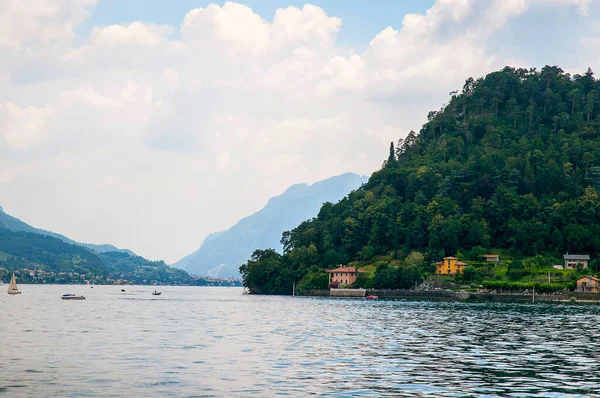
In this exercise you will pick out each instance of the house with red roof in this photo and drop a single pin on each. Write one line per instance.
(343, 275)
(588, 284)
(449, 266)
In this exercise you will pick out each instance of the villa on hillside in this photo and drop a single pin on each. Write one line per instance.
(571, 260)
(449, 266)
(493, 258)
(343, 275)
(588, 284)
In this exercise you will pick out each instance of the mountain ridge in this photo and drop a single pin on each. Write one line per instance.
(16, 225)
(222, 252)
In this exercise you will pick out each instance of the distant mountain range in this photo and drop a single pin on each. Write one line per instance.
(222, 253)
(15, 225)
(39, 256)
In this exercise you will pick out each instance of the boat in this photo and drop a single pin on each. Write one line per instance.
(71, 296)
(122, 290)
(155, 293)
(12, 288)
(372, 297)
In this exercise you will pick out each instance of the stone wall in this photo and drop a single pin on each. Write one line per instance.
(313, 292)
(451, 295)
(419, 294)
(347, 292)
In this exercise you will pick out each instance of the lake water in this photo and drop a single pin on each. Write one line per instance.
(194, 341)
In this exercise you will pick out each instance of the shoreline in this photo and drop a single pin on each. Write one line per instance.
(460, 295)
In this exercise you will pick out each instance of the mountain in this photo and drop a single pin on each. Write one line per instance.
(511, 163)
(16, 225)
(222, 253)
(40, 258)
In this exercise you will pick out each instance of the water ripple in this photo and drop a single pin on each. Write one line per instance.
(205, 342)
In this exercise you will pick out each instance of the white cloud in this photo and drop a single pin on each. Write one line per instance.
(134, 34)
(40, 21)
(6, 177)
(21, 127)
(140, 131)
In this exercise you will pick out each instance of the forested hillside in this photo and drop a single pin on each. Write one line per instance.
(45, 259)
(511, 162)
(16, 225)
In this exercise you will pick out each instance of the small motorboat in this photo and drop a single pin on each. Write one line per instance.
(372, 297)
(155, 293)
(71, 296)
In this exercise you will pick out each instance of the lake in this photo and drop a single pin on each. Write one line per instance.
(198, 341)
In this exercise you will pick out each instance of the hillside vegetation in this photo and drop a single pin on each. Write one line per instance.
(40, 258)
(512, 163)
(16, 225)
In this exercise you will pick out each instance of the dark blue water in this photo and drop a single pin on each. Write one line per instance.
(217, 342)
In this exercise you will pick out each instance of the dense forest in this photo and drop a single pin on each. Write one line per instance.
(40, 258)
(511, 162)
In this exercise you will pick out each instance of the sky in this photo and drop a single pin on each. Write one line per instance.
(149, 124)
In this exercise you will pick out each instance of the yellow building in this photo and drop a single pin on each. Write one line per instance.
(450, 266)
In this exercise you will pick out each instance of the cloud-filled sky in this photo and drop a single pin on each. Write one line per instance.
(148, 124)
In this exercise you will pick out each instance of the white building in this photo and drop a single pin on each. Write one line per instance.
(571, 260)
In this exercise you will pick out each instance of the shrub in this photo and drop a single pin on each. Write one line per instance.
(361, 281)
(469, 273)
(477, 252)
(315, 280)
(415, 259)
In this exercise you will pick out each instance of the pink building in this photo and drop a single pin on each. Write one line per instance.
(343, 275)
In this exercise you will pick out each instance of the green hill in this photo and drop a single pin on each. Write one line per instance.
(16, 225)
(38, 258)
(512, 162)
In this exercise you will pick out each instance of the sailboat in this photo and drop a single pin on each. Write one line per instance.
(12, 288)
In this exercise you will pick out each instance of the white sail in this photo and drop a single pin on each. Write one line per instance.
(12, 287)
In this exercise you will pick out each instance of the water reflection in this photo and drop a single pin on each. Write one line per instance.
(218, 342)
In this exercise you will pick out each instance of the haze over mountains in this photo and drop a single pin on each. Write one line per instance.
(221, 253)
(16, 225)
(39, 256)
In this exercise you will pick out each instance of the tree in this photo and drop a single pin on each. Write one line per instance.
(587, 158)
(385, 277)
(515, 270)
(573, 94)
(408, 276)
(591, 98)
(361, 281)
(415, 259)
(469, 273)
(513, 107)
(530, 113)
(265, 273)
(477, 253)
